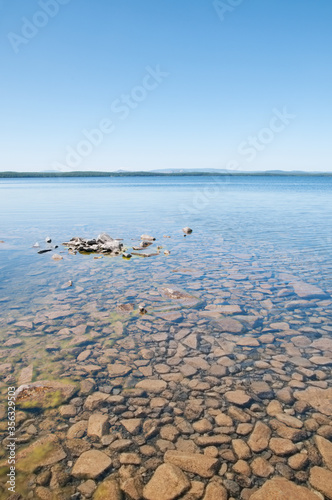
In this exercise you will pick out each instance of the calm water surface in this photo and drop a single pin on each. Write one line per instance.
(232, 305)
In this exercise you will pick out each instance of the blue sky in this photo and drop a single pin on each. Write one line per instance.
(122, 84)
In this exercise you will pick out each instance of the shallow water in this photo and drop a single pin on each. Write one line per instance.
(257, 243)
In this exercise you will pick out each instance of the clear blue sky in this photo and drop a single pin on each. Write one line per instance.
(214, 102)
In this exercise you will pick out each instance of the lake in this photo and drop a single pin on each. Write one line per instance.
(238, 313)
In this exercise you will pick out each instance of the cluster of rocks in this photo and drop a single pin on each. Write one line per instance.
(102, 244)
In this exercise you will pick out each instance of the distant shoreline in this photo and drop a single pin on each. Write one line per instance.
(14, 175)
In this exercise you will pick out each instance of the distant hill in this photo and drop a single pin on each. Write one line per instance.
(159, 173)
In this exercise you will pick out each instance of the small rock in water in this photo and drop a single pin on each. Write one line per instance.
(126, 255)
(147, 237)
(57, 257)
(141, 308)
(36, 245)
(45, 250)
(187, 230)
(145, 244)
(48, 239)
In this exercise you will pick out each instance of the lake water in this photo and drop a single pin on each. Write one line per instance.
(255, 277)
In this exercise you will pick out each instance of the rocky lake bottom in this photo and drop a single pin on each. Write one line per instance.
(202, 373)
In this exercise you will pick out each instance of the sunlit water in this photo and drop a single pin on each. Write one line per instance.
(257, 243)
(252, 237)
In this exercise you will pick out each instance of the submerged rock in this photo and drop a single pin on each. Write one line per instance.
(44, 394)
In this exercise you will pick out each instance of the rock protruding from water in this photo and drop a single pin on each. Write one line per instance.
(102, 244)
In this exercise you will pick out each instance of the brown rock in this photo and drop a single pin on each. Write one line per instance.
(215, 491)
(167, 483)
(42, 453)
(196, 491)
(98, 425)
(133, 487)
(132, 425)
(238, 397)
(298, 461)
(282, 447)
(262, 389)
(325, 449)
(321, 480)
(152, 386)
(230, 325)
(320, 399)
(118, 370)
(242, 467)
(259, 438)
(108, 490)
(280, 488)
(241, 449)
(91, 464)
(261, 467)
(196, 463)
(288, 420)
(273, 408)
(202, 426)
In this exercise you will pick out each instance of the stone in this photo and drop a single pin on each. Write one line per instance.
(298, 461)
(25, 375)
(320, 399)
(95, 400)
(241, 449)
(308, 291)
(273, 408)
(242, 467)
(321, 480)
(56, 256)
(325, 449)
(133, 488)
(202, 426)
(91, 464)
(259, 438)
(77, 430)
(196, 463)
(238, 397)
(68, 411)
(282, 447)
(196, 491)
(289, 420)
(167, 483)
(262, 389)
(169, 432)
(261, 467)
(132, 425)
(223, 420)
(87, 488)
(147, 237)
(44, 394)
(108, 490)
(230, 325)
(152, 386)
(215, 491)
(280, 488)
(130, 459)
(98, 425)
(44, 452)
(118, 370)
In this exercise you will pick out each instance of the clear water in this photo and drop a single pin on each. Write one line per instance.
(253, 238)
